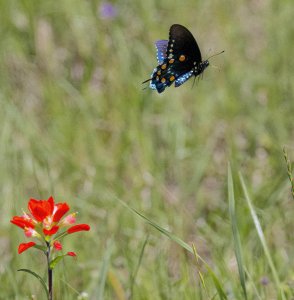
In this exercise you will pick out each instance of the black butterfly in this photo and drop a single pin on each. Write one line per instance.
(179, 58)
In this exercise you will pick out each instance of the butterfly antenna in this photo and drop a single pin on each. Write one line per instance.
(215, 54)
(147, 80)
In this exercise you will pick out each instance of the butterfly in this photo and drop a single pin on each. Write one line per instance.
(179, 59)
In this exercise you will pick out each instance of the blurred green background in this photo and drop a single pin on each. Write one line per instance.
(76, 124)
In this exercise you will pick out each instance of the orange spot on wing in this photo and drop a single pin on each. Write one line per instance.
(163, 80)
(163, 67)
(171, 61)
(182, 58)
(172, 78)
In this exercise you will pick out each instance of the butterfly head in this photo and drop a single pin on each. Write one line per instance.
(199, 68)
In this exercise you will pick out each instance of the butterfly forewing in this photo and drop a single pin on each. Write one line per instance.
(182, 44)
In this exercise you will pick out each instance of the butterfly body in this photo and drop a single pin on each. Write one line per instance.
(179, 59)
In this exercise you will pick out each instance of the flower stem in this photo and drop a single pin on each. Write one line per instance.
(50, 273)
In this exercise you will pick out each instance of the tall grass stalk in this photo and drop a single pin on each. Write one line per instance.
(262, 239)
(236, 235)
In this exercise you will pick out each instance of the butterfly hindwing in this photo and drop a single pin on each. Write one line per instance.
(161, 47)
(162, 77)
(183, 78)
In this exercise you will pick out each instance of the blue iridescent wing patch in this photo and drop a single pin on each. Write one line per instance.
(183, 78)
(161, 47)
(152, 85)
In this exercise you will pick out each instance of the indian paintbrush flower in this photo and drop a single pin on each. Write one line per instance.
(46, 221)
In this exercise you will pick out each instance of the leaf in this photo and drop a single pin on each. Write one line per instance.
(39, 278)
(39, 247)
(55, 261)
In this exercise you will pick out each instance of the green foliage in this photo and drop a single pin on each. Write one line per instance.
(76, 124)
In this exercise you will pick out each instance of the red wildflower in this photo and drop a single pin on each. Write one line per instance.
(78, 227)
(22, 222)
(46, 215)
(24, 246)
(51, 231)
(68, 220)
(44, 221)
(57, 245)
(41, 209)
(30, 232)
(60, 209)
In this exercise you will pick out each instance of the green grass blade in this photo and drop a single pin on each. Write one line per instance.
(236, 236)
(220, 291)
(262, 238)
(159, 228)
(134, 276)
(202, 281)
(289, 170)
(253, 284)
(217, 284)
(99, 292)
(184, 245)
(39, 278)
